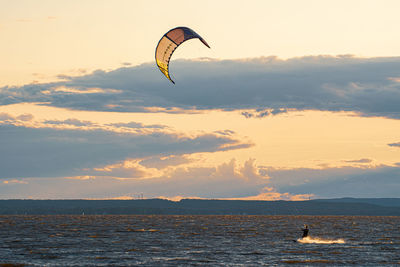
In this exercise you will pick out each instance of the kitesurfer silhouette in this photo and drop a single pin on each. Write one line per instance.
(305, 231)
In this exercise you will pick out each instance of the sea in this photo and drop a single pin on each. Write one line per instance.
(199, 240)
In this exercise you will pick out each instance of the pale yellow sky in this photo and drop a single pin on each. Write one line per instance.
(42, 39)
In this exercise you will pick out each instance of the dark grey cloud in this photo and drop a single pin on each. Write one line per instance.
(395, 144)
(49, 152)
(382, 181)
(369, 86)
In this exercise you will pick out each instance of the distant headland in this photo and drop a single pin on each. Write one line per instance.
(340, 206)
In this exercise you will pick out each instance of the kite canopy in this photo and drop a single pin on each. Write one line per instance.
(169, 42)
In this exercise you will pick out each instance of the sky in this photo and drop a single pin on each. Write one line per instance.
(295, 100)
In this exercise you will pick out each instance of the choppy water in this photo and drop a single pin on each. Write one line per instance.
(197, 240)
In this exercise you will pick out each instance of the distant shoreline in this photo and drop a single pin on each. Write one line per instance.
(342, 206)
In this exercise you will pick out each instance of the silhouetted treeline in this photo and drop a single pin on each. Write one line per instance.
(344, 206)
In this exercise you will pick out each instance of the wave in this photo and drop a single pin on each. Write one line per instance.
(316, 240)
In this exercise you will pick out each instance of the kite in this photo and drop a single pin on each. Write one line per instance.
(169, 42)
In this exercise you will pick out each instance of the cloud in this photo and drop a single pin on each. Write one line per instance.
(228, 180)
(270, 194)
(359, 161)
(127, 169)
(381, 181)
(263, 113)
(73, 122)
(14, 181)
(225, 132)
(394, 144)
(163, 162)
(220, 181)
(267, 194)
(78, 90)
(8, 118)
(137, 125)
(25, 117)
(368, 86)
(54, 152)
(127, 127)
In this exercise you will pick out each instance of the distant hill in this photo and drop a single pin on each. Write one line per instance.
(386, 202)
(342, 206)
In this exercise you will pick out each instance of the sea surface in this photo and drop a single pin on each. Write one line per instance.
(132, 240)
